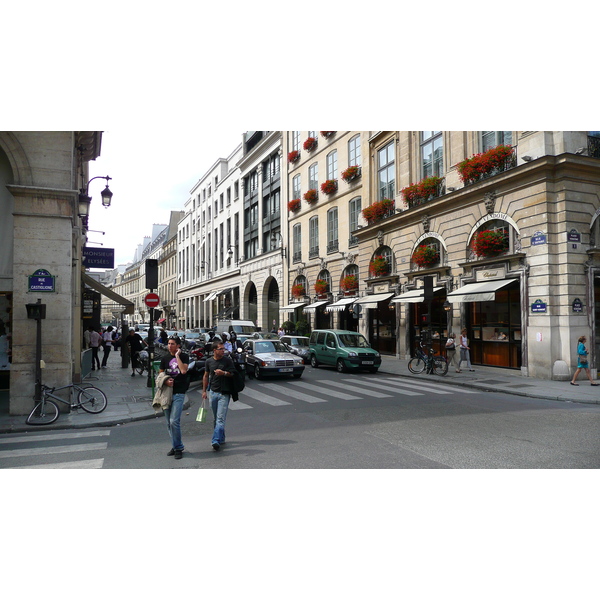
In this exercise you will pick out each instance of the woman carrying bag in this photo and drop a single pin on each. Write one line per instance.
(464, 350)
(582, 361)
(451, 351)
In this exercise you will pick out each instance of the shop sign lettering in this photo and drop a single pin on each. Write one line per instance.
(539, 307)
(41, 281)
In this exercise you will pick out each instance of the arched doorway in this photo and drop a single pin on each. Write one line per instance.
(273, 305)
(252, 304)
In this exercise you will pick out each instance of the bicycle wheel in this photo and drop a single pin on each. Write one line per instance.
(92, 400)
(440, 365)
(416, 365)
(139, 365)
(43, 413)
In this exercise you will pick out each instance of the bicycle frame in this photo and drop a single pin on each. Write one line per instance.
(48, 391)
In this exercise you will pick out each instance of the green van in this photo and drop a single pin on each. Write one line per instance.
(346, 350)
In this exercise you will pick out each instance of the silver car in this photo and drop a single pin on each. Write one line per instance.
(297, 344)
(270, 358)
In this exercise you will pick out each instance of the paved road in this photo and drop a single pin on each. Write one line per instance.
(330, 420)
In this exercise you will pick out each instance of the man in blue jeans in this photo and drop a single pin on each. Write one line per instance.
(175, 364)
(219, 370)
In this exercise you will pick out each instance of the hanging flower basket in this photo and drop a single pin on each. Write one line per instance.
(298, 290)
(311, 196)
(327, 134)
(419, 193)
(489, 243)
(485, 164)
(352, 172)
(379, 266)
(293, 156)
(349, 283)
(294, 205)
(321, 287)
(426, 256)
(378, 211)
(329, 187)
(310, 144)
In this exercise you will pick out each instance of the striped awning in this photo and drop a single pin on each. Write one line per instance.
(340, 305)
(414, 295)
(485, 291)
(373, 300)
(311, 308)
(293, 306)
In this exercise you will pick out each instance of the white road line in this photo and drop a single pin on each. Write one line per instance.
(380, 386)
(426, 386)
(53, 436)
(239, 405)
(316, 388)
(263, 397)
(53, 450)
(294, 393)
(350, 388)
(80, 464)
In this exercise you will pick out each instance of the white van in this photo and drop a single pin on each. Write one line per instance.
(240, 327)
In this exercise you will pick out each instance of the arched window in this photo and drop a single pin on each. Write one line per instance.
(325, 276)
(427, 254)
(381, 263)
(494, 238)
(299, 288)
(349, 281)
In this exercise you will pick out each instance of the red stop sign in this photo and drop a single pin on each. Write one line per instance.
(152, 300)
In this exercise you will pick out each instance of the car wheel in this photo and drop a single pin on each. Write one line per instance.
(314, 363)
(340, 366)
(257, 371)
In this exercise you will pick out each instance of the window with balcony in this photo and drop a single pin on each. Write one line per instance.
(432, 154)
(313, 237)
(332, 230)
(491, 139)
(386, 172)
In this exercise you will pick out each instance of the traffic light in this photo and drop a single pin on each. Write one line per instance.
(427, 288)
(151, 274)
(425, 319)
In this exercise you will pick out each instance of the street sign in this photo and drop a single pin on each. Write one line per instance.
(41, 281)
(98, 258)
(152, 300)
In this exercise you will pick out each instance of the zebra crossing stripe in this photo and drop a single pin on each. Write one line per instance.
(239, 405)
(53, 436)
(429, 387)
(317, 388)
(95, 463)
(52, 450)
(294, 393)
(263, 397)
(380, 386)
(351, 388)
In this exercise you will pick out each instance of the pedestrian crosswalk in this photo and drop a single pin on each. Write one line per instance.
(37, 451)
(283, 392)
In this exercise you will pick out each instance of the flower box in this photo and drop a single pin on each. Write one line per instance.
(321, 287)
(379, 266)
(425, 256)
(378, 211)
(293, 156)
(419, 193)
(486, 164)
(327, 134)
(310, 144)
(489, 243)
(349, 283)
(311, 196)
(329, 187)
(298, 290)
(294, 205)
(352, 172)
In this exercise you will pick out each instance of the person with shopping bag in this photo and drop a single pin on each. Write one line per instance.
(582, 361)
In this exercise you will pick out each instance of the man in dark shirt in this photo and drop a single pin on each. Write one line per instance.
(219, 372)
(136, 345)
(175, 364)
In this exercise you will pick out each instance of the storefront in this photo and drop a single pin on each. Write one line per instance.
(345, 318)
(322, 319)
(381, 322)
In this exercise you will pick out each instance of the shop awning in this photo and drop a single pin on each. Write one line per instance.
(293, 306)
(373, 300)
(211, 296)
(129, 307)
(223, 292)
(484, 291)
(311, 308)
(340, 305)
(414, 295)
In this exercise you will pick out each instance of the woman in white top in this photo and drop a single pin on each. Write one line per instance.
(464, 350)
(451, 352)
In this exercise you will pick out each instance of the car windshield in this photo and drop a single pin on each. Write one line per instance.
(299, 342)
(353, 340)
(269, 346)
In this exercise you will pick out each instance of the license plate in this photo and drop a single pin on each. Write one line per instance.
(367, 362)
(290, 370)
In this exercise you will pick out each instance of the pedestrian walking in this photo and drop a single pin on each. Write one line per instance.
(107, 336)
(95, 342)
(451, 352)
(136, 344)
(465, 355)
(216, 386)
(582, 361)
(175, 365)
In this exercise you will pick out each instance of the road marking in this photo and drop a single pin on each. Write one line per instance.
(96, 463)
(379, 386)
(263, 397)
(294, 393)
(53, 450)
(344, 386)
(238, 405)
(316, 388)
(54, 436)
(428, 387)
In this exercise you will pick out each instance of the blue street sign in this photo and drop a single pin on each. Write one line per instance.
(99, 258)
(41, 281)
(539, 307)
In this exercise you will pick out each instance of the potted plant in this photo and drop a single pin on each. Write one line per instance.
(311, 196)
(352, 172)
(485, 164)
(378, 210)
(288, 326)
(349, 283)
(489, 242)
(327, 134)
(379, 266)
(321, 287)
(329, 187)
(298, 290)
(418, 193)
(310, 143)
(302, 327)
(294, 204)
(425, 256)
(293, 156)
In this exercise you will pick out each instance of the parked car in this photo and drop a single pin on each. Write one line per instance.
(297, 344)
(270, 357)
(346, 350)
(264, 335)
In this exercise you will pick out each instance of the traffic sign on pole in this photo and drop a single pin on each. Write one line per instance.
(152, 300)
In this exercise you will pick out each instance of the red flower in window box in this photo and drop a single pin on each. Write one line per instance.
(378, 210)
(329, 187)
(379, 266)
(418, 193)
(425, 256)
(293, 156)
(321, 286)
(294, 205)
(349, 283)
(310, 144)
(311, 196)
(298, 290)
(489, 243)
(352, 172)
(474, 168)
(327, 134)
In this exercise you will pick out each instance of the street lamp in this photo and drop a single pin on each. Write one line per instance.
(274, 241)
(230, 252)
(84, 197)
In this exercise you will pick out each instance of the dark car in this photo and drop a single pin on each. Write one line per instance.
(297, 344)
(269, 358)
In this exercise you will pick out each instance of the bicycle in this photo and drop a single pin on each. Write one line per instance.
(142, 362)
(46, 411)
(434, 363)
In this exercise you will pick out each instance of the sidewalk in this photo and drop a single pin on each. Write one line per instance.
(129, 398)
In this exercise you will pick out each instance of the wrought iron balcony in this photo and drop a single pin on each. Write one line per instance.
(297, 257)
(313, 252)
(332, 246)
(594, 146)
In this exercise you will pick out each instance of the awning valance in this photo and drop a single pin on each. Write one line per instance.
(414, 295)
(340, 305)
(129, 307)
(293, 306)
(311, 308)
(483, 291)
(374, 299)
